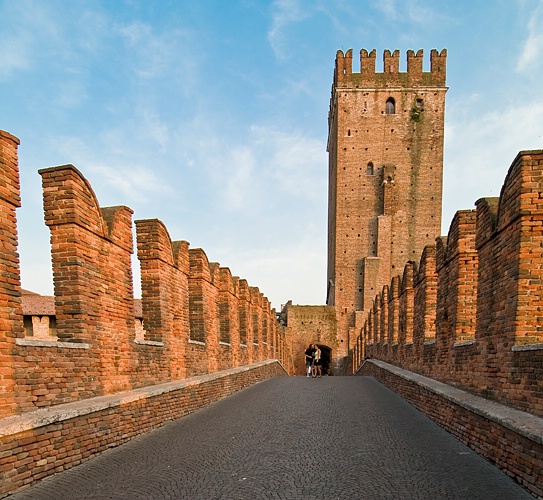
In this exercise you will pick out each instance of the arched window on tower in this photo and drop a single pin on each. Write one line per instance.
(369, 169)
(390, 107)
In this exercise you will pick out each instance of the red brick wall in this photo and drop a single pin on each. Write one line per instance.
(519, 454)
(425, 283)
(256, 322)
(246, 352)
(11, 315)
(165, 299)
(31, 448)
(310, 325)
(96, 351)
(229, 319)
(488, 299)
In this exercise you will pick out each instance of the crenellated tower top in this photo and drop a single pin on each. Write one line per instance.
(391, 75)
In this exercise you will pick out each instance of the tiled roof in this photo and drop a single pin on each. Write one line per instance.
(138, 308)
(37, 305)
(34, 304)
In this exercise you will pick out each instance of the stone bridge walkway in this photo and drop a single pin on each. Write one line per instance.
(290, 438)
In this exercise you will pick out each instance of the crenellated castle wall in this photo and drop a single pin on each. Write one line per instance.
(474, 301)
(391, 75)
(191, 307)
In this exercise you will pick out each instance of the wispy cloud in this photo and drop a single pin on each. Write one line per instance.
(479, 151)
(121, 173)
(156, 54)
(20, 34)
(532, 50)
(420, 12)
(284, 13)
(387, 7)
(295, 161)
(246, 168)
(296, 270)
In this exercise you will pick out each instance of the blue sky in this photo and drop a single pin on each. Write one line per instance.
(211, 115)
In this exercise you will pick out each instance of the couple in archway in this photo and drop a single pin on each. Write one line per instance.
(313, 361)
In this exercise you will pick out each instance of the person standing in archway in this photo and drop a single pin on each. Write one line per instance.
(309, 353)
(317, 370)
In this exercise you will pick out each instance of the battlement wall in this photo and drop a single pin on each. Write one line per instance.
(469, 314)
(96, 351)
(391, 76)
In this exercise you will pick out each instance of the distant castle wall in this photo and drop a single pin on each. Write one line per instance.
(469, 313)
(306, 325)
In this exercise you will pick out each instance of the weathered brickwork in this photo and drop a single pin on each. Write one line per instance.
(306, 325)
(11, 324)
(486, 302)
(511, 440)
(38, 444)
(95, 349)
(385, 149)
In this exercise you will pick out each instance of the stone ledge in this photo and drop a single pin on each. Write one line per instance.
(523, 423)
(527, 347)
(51, 343)
(149, 342)
(59, 413)
(464, 343)
(197, 342)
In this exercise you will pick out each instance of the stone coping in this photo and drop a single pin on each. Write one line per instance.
(521, 422)
(38, 418)
(51, 343)
(527, 347)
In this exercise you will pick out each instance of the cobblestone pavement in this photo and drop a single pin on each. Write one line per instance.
(290, 438)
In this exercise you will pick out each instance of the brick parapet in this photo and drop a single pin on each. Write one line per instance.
(164, 266)
(510, 438)
(47, 441)
(94, 349)
(425, 300)
(256, 317)
(489, 291)
(91, 258)
(406, 303)
(383, 321)
(391, 75)
(11, 315)
(229, 318)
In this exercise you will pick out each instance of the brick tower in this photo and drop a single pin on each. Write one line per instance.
(385, 146)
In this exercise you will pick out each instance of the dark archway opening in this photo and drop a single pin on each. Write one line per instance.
(326, 358)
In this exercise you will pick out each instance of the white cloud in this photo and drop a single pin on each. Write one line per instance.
(121, 174)
(71, 94)
(387, 7)
(294, 272)
(156, 54)
(285, 12)
(297, 162)
(532, 51)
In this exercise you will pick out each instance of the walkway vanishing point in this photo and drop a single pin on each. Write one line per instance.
(290, 438)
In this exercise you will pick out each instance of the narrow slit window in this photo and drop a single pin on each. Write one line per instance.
(369, 169)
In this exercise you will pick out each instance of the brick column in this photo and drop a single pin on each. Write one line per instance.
(11, 318)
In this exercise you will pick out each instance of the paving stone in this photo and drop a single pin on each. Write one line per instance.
(290, 438)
